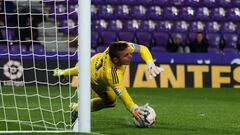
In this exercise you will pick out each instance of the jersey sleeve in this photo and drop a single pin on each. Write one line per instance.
(142, 50)
(115, 81)
(71, 71)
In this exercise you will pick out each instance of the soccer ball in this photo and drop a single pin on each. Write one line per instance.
(148, 119)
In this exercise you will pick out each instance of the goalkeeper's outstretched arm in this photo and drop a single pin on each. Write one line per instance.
(71, 71)
(153, 70)
(136, 111)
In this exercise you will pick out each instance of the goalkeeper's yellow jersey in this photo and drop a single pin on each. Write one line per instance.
(104, 73)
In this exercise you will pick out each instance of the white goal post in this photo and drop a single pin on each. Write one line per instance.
(84, 49)
(36, 37)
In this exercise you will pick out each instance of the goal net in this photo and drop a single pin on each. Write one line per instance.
(37, 37)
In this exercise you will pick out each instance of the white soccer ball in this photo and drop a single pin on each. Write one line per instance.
(148, 118)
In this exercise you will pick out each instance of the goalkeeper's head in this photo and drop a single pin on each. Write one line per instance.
(119, 53)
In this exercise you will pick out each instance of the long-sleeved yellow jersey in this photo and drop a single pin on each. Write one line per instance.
(104, 73)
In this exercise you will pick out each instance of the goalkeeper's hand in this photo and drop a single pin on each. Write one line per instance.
(153, 70)
(58, 72)
(138, 112)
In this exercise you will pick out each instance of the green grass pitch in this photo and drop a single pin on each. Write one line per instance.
(179, 112)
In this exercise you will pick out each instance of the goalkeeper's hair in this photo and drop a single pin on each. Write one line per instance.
(116, 47)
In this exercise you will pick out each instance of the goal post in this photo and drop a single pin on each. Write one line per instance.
(31, 98)
(84, 49)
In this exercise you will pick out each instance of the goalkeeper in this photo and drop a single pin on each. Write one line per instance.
(107, 70)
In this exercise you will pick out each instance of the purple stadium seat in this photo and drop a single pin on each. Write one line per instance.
(213, 39)
(122, 12)
(126, 36)
(196, 26)
(58, 10)
(72, 2)
(131, 2)
(68, 26)
(72, 8)
(101, 48)
(18, 48)
(187, 13)
(164, 26)
(3, 48)
(37, 49)
(94, 39)
(146, 2)
(108, 37)
(161, 2)
(177, 2)
(228, 27)
(238, 28)
(106, 12)
(157, 49)
(99, 25)
(161, 38)
(138, 12)
(96, 2)
(72, 11)
(202, 13)
(218, 14)
(233, 14)
(180, 26)
(147, 25)
(144, 38)
(225, 3)
(171, 13)
(94, 12)
(114, 2)
(193, 3)
(210, 3)
(155, 12)
(213, 50)
(230, 50)
(212, 27)
(131, 25)
(115, 25)
(236, 3)
(8, 34)
(231, 40)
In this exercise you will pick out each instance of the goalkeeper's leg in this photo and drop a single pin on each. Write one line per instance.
(99, 101)
(74, 107)
(105, 99)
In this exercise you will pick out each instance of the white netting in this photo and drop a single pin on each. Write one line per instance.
(35, 38)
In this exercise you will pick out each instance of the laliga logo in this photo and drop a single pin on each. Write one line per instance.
(13, 69)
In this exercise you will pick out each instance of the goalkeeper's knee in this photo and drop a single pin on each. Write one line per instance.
(111, 103)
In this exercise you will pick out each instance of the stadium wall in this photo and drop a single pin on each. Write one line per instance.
(176, 75)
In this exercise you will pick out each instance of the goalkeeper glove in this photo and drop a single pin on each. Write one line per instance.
(138, 112)
(58, 72)
(153, 70)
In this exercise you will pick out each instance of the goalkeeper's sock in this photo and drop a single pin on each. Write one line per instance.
(74, 111)
(74, 116)
(74, 107)
(96, 104)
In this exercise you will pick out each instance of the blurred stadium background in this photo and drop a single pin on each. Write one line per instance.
(30, 50)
